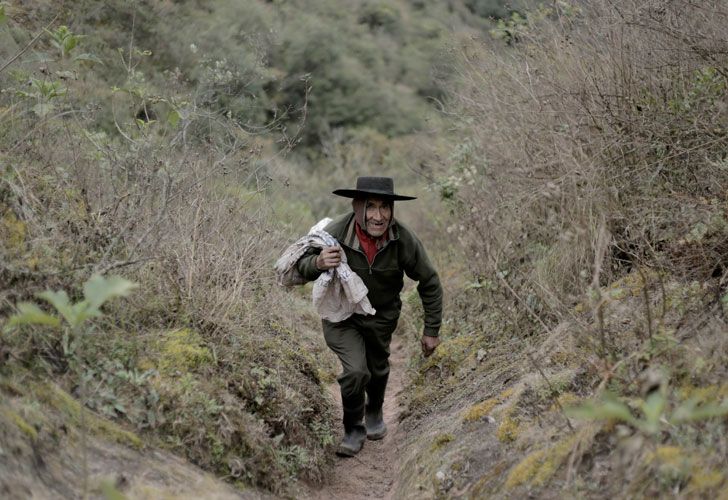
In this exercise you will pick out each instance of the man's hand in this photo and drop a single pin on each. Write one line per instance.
(329, 258)
(429, 344)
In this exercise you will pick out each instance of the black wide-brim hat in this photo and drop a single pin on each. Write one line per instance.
(382, 187)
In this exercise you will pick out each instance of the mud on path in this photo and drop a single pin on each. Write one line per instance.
(372, 473)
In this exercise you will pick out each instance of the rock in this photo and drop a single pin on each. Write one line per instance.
(480, 355)
(444, 480)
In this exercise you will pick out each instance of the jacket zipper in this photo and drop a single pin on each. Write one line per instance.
(375, 255)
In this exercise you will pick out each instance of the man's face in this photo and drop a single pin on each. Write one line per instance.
(378, 215)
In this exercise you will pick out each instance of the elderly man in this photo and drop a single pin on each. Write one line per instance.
(381, 250)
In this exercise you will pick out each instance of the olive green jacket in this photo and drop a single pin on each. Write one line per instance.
(402, 254)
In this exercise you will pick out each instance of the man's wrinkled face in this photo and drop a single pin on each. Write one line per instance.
(378, 215)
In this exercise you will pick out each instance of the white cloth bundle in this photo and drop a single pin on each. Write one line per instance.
(337, 293)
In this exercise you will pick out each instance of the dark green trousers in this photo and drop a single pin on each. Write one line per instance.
(362, 345)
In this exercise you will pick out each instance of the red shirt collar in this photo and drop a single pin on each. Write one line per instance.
(369, 244)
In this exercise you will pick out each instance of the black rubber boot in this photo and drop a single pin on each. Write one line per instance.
(376, 428)
(354, 431)
(353, 441)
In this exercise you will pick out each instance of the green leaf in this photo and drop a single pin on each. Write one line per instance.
(683, 412)
(173, 118)
(609, 407)
(88, 58)
(99, 289)
(110, 491)
(31, 314)
(70, 43)
(3, 17)
(42, 109)
(83, 310)
(60, 301)
(689, 411)
(653, 408)
(710, 410)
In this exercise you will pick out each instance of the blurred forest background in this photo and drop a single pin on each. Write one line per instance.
(569, 159)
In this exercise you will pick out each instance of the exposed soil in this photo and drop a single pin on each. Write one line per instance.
(373, 472)
(47, 471)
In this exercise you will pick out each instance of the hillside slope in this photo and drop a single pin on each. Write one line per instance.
(585, 352)
(570, 165)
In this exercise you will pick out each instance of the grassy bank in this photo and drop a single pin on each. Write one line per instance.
(585, 352)
(110, 167)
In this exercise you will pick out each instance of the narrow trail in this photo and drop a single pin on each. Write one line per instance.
(372, 473)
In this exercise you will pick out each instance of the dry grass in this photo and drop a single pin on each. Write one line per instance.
(589, 184)
(610, 117)
(208, 358)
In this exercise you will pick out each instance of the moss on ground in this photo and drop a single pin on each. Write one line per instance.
(509, 429)
(480, 410)
(704, 394)
(678, 465)
(80, 417)
(182, 351)
(20, 423)
(255, 411)
(633, 284)
(539, 467)
(565, 400)
(703, 481)
(668, 455)
(12, 231)
(440, 441)
(451, 353)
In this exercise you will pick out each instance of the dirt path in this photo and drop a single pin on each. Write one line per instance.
(371, 473)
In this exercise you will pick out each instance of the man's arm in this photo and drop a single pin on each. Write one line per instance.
(316, 261)
(419, 268)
